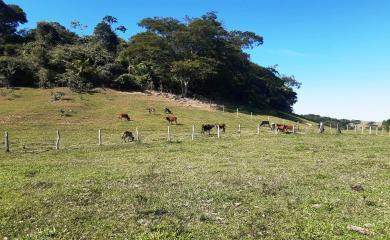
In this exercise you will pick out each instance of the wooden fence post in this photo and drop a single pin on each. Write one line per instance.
(137, 136)
(370, 130)
(193, 133)
(251, 116)
(237, 112)
(100, 137)
(223, 108)
(239, 130)
(218, 131)
(6, 142)
(58, 140)
(347, 127)
(258, 129)
(169, 134)
(362, 129)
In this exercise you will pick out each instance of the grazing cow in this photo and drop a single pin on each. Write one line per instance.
(265, 123)
(167, 111)
(206, 128)
(124, 116)
(171, 119)
(127, 135)
(222, 126)
(281, 127)
(151, 110)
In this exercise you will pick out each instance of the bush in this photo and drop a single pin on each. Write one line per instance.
(75, 82)
(15, 72)
(127, 81)
(46, 78)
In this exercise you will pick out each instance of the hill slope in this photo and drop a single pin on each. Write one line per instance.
(269, 186)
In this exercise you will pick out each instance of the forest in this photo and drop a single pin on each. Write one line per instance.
(194, 57)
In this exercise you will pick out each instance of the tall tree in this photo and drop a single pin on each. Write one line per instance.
(11, 16)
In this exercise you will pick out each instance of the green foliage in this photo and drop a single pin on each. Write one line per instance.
(15, 72)
(386, 124)
(193, 57)
(331, 121)
(105, 36)
(11, 16)
(53, 33)
(128, 81)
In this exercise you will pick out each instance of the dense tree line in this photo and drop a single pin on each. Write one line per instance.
(331, 121)
(193, 57)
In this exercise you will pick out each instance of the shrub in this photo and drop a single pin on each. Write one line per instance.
(127, 81)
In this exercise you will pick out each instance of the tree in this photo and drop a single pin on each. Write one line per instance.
(53, 33)
(11, 16)
(105, 36)
(189, 71)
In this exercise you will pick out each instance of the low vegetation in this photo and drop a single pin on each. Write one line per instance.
(294, 186)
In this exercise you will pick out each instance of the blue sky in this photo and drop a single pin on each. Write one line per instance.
(338, 49)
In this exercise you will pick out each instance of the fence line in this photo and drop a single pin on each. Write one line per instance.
(71, 139)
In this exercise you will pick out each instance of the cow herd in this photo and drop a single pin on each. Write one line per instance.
(128, 136)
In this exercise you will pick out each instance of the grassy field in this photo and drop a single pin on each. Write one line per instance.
(265, 186)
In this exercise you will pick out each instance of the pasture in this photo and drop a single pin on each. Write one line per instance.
(295, 186)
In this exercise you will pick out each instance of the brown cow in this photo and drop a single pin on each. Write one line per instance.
(222, 126)
(171, 119)
(124, 116)
(282, 127)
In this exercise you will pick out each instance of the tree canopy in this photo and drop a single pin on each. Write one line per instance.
(192, 57)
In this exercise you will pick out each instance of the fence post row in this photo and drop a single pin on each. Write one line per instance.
(58, 140)
(6, 142)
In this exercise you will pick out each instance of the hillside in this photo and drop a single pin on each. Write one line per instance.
(266, 186)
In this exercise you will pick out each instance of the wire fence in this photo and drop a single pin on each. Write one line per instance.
(37, 140)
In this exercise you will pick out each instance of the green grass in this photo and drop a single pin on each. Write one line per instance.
(249, 187)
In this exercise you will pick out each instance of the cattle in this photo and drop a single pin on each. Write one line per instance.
(222, 126)
(206, 128)
(127, 135)
(124, 116)
(265, 123)
(282, 127)
(151, 110)
(167, 111)
(171, 119)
